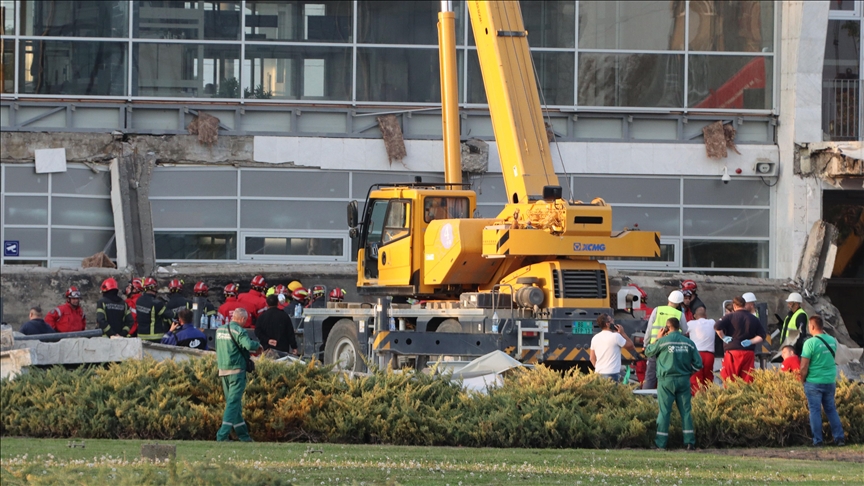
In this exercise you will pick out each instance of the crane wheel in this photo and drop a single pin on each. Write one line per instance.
(343, 347)
(449, 325)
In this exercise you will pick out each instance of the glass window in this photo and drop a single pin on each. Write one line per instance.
(714, 192)
(7, 17)
(490, 189)
(554, 69)
(186, 70)
(731, 82)
(291, 183)
(7, 66)
(725, 254)
(25, 179)
(726, 222)
(840, 80)
(322, 21)
(631, 25)
(172, 182)
(32, 242)
(217, 213)
(292, 215)
(741, 26)
(397, 223)
(81, 181)
(297, 72)
(378, 211)
(667, 254)
(400, 75)
(77, 211)
(73, 68)
(627, 190)
(445, 208)
(170, 19)
(81, 243)
(361, 181)
(847, 5)
(488, 210)
(195, 246)
(650, 80)
(26, 209)
(550, 23)
(403, 22)
(294, 246)
(664, 220)
(102, 18)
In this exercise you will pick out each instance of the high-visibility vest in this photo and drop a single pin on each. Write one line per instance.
(664, 312)
(791, 323)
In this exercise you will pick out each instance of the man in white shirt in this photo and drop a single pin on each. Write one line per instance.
(606, 347)
(702, 334)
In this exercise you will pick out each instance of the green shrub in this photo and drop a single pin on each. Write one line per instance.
(534, 408)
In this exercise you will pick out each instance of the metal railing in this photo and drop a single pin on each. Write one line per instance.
(841, 109)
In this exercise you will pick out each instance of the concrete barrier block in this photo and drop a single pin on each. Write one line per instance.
(13, 362)
(83, 350)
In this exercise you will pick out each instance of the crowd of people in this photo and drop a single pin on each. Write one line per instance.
(141, 312)
(679, 344)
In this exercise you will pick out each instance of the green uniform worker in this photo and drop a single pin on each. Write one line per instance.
(232, 349)
(677, 360)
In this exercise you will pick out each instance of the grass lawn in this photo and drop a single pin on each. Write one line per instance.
(116, 462)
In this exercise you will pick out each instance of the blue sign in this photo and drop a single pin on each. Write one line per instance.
(11, 248)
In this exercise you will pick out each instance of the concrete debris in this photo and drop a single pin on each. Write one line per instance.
(817, 259)
(99, 260)
(475, 156)
(729, 134)
(7, 339)
(393, 141)
(831, 161)
(718, 137)
(550, 132)
(13, 362)
(206, 127)
(161, 352)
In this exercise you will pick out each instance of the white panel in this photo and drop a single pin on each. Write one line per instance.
(50, 160)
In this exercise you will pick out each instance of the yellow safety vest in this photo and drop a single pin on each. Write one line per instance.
(790, 323)
(664, 312)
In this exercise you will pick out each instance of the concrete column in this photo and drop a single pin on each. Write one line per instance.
(134, 172)
(798, 200)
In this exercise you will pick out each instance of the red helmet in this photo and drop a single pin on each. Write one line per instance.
(688, 285)
(280, 289)
(318, 291)
(149, 283)
(175, 285)
(135, 286)
(200, 288)
(337, 294)
(300, 294)
(231, 289)
(109, 284)
(73, 293)
(258, 282)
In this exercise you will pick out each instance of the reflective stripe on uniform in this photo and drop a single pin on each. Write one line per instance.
(664, 312)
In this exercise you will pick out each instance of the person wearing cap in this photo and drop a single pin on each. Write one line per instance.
(656, 322)
(112, 313)
(750, 303)
(741, 332)
(796, 320)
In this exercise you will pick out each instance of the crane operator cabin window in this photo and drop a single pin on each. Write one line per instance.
(445, 208)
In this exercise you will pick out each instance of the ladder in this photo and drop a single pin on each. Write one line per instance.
(541, 329)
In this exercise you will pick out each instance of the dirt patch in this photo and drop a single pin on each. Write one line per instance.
(828, 453)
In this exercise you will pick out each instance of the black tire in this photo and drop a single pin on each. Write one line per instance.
(343, 348)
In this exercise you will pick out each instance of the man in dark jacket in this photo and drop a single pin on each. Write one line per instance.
(36, 325)
(176, 301)
(112, 313)
(274, 328)
(741, 332)
(183, 333)
(207, 309)
(151, 313)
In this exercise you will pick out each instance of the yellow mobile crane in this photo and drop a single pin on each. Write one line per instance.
(526, 282)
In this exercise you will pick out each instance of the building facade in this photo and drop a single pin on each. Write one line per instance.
(296, 86)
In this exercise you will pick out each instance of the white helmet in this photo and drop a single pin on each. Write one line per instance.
(676, 297)
(749, 297)
(794, 297)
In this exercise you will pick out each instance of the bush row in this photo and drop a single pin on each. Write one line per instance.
(536, 408)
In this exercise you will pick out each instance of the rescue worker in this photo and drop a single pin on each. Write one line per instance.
(294, 285)
(176, 301)
(691, 300)
(316, 298)
(232, 350)
(68, 317)
(254, 301)
(151, 313)
(796, 320)
(133, 292)
(656, 322)
(337, 295)
(298, 302)
(274, 329)
(677, 359)
(207, 309)
(112, 313)
(279, 291)
(226, 309)
(183, 333)
(750, 303)
(741, 332)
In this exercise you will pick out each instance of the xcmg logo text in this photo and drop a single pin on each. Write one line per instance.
(589, 247)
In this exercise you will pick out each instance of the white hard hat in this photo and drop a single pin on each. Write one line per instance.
(794, 297)
(749, 297)
(676, 297)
